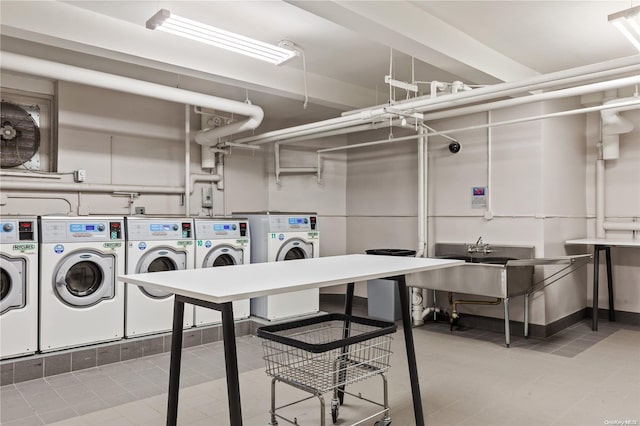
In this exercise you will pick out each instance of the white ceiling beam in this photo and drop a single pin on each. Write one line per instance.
(407, 28)
(69, 27)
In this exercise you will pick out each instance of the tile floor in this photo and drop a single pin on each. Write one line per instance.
(467, 378)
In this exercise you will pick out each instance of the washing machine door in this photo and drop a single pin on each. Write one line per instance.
(84, 278)
(158, 260)
(223, 255)
(293, 249)
(13, 287)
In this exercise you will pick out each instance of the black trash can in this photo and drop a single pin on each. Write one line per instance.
(380, 292)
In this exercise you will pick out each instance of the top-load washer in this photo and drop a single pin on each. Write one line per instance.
(155, 244)
(280, 236)
(19, 286)
(221, 241)
(80, 300)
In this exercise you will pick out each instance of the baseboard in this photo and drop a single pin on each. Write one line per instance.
(41, 365)
(624, 317)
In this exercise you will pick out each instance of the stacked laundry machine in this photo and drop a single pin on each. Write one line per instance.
(281, 236)
(19, 286)
(221, 241)
(81, 302)
(156, 244)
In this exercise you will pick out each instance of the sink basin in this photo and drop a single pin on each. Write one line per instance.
(484, 274)
(481, 258)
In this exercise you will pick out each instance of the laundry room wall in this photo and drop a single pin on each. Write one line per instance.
(124, 139)
(536, 194)
(514, 194)
(382, 203)
(622, 204)
(303, 192)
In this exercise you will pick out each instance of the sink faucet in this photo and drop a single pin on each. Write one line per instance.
(479, 247)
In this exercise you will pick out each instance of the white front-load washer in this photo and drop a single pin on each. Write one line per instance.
(155, 244)
(80, 300)
(221, 242)
(19, 286)
(280, 236)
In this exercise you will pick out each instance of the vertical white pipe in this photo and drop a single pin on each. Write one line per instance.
(489, 213)
(421, 194)
(187, 157)
(600, 231)
(417, 296)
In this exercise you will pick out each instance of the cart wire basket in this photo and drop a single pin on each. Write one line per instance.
(326, 353)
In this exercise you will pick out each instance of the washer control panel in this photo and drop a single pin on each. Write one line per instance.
(221, 229)
(78, 229)
(16, 230)
(159, 229)
(286, 223)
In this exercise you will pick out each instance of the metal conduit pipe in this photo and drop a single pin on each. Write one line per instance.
(556, 94)
(105, 188)
(621, 226)
(89, 187)
(305, 129)
(483, 126)
(344, 131)
(57, 71)
(419, 104)
(187, 158)
(560, 78)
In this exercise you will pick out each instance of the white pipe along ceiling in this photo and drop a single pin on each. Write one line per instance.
(43, 68)
(422, 104)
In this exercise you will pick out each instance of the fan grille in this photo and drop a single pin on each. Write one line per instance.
(20, 136)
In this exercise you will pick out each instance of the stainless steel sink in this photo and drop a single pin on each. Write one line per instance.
(486, 273)
(500, 272)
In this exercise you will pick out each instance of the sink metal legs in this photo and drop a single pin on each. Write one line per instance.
(507, 332)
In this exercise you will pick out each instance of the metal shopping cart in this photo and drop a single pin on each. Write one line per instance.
(326, 353)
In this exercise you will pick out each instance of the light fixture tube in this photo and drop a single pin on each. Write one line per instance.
(165, 21)
(626, 21)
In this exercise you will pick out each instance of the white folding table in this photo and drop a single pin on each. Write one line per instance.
(217, 288)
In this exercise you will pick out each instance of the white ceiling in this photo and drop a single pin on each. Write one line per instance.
(347, 44)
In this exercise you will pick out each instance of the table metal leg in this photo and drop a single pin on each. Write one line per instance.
(231, 365)
(596, 272)
(174, 365)
(612, 312)
(411, 352)
(348, 310)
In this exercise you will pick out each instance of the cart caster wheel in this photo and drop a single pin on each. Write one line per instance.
(335, 409)
(382, 423)
(341, 397)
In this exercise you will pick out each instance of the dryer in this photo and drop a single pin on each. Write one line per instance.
(80, 300)
(280, 236)
(19, 286)
(221, 242)
(155, 244)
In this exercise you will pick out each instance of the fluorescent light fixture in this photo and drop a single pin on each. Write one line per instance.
(165, 21)
(628, 22)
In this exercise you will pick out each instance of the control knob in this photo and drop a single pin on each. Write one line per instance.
(7, 227)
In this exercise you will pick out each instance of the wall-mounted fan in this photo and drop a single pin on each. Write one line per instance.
(20, 136)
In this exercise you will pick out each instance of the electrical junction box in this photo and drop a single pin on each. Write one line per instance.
(80, 175)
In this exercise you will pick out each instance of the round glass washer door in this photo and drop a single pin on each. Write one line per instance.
(158, 260)
(294, 249)
(85, 278)
(12, 284)
(223, 255)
